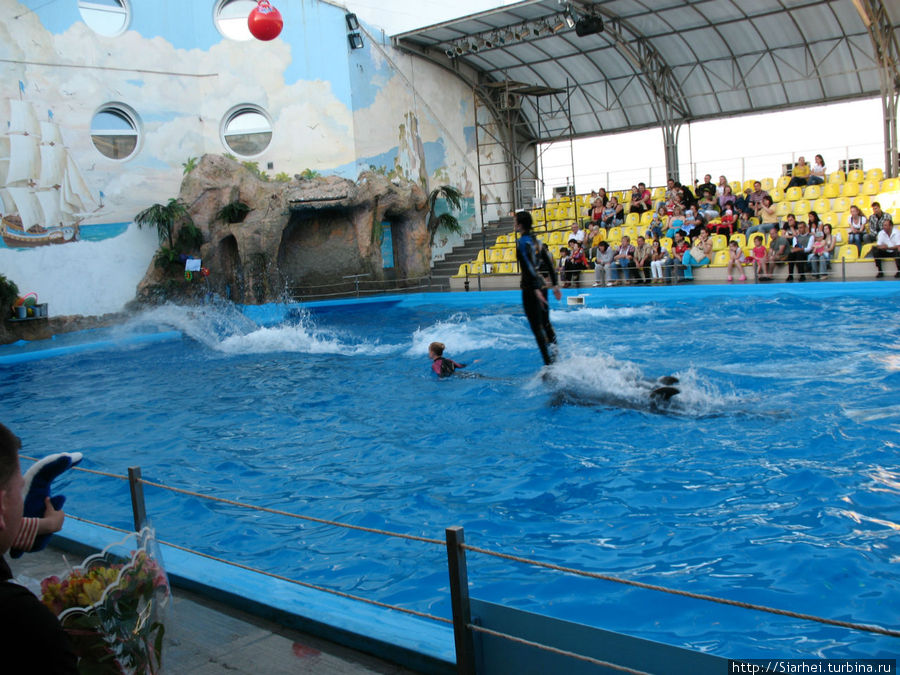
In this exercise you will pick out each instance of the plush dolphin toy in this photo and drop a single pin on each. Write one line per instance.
(37, 489)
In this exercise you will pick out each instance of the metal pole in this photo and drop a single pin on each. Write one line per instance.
(138, 508)
(459, 600)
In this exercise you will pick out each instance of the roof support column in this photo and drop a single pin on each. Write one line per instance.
(887, 54)
(670, 131)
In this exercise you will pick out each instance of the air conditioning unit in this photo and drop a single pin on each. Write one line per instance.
(510, 101)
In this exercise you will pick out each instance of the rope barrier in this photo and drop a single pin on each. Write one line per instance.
(278, 512)
(687, 594)
(280, 577)
(555, 650)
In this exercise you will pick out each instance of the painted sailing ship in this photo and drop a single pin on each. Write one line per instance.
(44, 197)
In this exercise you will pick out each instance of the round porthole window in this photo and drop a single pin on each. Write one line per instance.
(247, 130)
(231, 18)
(105, 17)
(115, 131)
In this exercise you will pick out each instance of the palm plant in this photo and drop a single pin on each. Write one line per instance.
(163, 218)
(446, 221)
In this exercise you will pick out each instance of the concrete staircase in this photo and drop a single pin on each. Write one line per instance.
(442, 271)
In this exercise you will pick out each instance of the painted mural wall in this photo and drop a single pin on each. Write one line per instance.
(330, 109)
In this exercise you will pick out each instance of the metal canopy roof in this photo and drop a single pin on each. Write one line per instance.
(667, 61)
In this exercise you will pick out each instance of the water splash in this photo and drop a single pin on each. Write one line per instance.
(461, 334)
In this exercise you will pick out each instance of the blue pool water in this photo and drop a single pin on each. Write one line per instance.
(775, 480)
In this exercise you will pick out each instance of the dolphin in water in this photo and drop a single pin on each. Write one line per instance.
(639, 393)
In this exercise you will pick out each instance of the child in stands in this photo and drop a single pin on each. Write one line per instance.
(736, 259)
(760, 255)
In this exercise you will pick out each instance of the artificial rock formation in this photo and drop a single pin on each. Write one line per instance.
(297, 237)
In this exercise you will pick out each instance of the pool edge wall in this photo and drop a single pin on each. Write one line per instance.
(418, 644)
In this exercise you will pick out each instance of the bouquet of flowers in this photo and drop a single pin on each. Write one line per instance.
(112, 607)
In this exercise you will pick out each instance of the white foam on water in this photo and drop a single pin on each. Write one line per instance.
(461, 334)
(586, 314)
(222, 327)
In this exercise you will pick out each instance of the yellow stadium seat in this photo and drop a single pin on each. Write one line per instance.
(495, 255)
(812, 192)
(800, 206)
(736, 187)
(840, 205)
(856, 176)
(615, 233)
(831, 218)
(890, 185)
(793, 194)
(821, 206)
(836, 177)
(501, 240)
(633, 219)
(874, 174)
(831, 190)
(630, 231)
(509, 255)
(864, 202)
(748, 184)
(847, 252)
(783, 182)
(658, 194)
(865, 250)
(465, 267)
(720, 242)
(646, 218)
(748, 250)
(839, 234)
(768, 184)
(754, 220)
(602, 231)
(667, 242)
(776, 195)
(480, 257)
(740, 238)
(782, 209)
(720, 259)
(871, 187)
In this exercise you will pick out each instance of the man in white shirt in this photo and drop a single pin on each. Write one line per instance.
(577, 233)
(887, 246)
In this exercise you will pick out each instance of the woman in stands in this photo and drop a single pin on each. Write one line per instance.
(699, 254)
(726, 197)
(655, 229)
(707, 206)
(613, 213)
(800, 173)
(817, 172)
(857, 224)
(720, 188)
(675, 222)
(659, 258)
(767, 217)
(812, 219)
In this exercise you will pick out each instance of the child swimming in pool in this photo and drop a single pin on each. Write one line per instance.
(441, 366)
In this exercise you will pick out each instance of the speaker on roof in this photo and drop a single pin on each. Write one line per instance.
(588, 25)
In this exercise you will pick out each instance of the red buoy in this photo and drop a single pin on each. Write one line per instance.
(265, 21)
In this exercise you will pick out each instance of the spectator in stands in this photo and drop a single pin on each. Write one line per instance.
(670, 192)
(561, 265)
(760, 257)
(812, 219)
(830, 244)
(736, 259)
(654, 230)
(602, 196)
(595, 212)
(706, 186)
(643, 254)
(779, 250)
(720, 188)
(592, 240)
(766, 214)
(726, 198)
(699, 254)
(640, 198)
(675, 221)
(726, 226)
(685, 196)
(622, 261)
(818, 256)
(679, 250)
(659, 258)
(756, 197)
(817, 172)
(742, 203)
(875, 223)
(577, 233)
(801, 246)
(576, 263)
(613, 213)
(744, 223)
(857, 223)
(708, 207)
(602, 263)
(887, 246)
(800, 173)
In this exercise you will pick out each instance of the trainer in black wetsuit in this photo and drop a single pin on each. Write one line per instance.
(534, 292)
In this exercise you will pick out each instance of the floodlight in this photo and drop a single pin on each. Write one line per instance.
(356, 41)
(352, 22)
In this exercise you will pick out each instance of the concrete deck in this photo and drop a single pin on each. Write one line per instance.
(204, 637)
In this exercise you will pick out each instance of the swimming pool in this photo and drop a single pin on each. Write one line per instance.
(775, 480)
